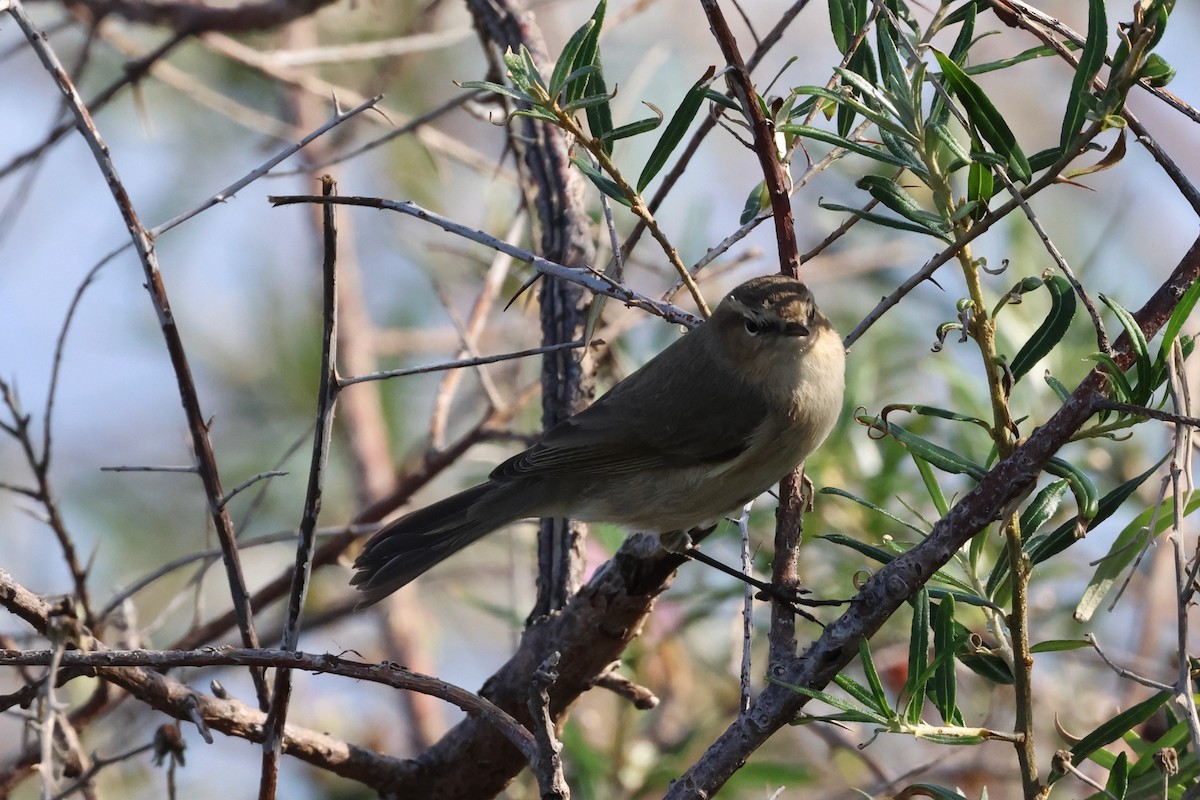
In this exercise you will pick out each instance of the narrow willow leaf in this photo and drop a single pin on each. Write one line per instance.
(1052, 329)
(870, 551)
(872, 676)
(1137, 344)
(1036, 514)
(934, 411)
(1113, 729)
(938, 456)
(950, 142)
(1026, 55)
(882, 156)
(1118, 778)
(1171, 330)
(887, 222)
(980, 183)
(591, 101)
(966, 35)
(894, 196)
(856, 690)
(1060, 389)
(1042, 507)
(985, 117)
(835, 701)
(1090, 61)
(603, 183)
(933, 791)
(931, 485)
(599, 117)
(758, 200)
(673, 134)
(1040, 548)
(1121, 388)
(633, 129)
(1082, 487)
(918, 656)
(565, 69)
(943, 689)
(891, 68)
(497, 88)
(989, 667)
(832, 490)
(1059, 645)
(841, 24)
(1124, 550)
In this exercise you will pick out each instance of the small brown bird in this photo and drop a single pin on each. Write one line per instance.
(704, 427)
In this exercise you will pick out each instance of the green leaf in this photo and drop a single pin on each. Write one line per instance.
(988, 666)
(841, 24)
(1171, 330)
(1064, 394)
(1052, 329)
(1042, 507)
(1118, 778)
(1137, 344)
(870, 551)
(868, 504)
(932, 790)
(966, 35)
(1124, 550)
(985, 117)
(758, 200)
(1040, 548)
(931, 485)
(497, 88)
(1090, 61)
(934, 411)
(633, 129)
(1121, 387)
(673, 134)
(1004, 63)
(874, 153)
(565, 68)
(943, 689)
(1059, 645)
(1113, 729)
(599, 117)
(603, 183)
(1086, 496)
(859, 692)
(1036, 514)
(887, 222)
(918, 655)
(872, 676)
(894, 196)
(866, 714)
(938, 456)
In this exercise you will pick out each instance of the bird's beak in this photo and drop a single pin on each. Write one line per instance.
(795, 329)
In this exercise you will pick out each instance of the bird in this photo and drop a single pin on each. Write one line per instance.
(704, 427)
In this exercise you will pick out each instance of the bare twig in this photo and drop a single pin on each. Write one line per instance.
(143, 243)
(584, 276)
(306, 544)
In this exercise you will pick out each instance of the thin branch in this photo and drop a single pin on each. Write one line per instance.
(459, 363)
(143, 243)
(584, 276)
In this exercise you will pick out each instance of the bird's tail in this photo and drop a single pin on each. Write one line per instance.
(401, 551)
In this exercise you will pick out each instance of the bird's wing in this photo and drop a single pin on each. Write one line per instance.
(623, 432)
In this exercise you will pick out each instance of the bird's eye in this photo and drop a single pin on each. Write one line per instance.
(752, 326)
